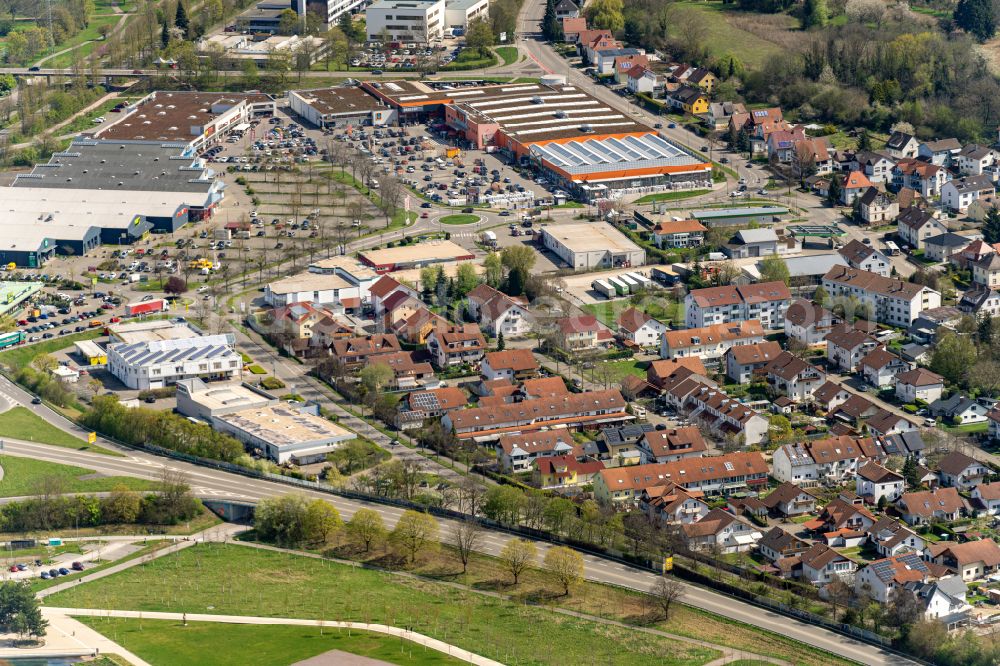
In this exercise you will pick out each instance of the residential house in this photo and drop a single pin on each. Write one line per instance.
(418, 406)
(958, 409)
(762, 242)
(619, 446)
(779, 544)
(876, 167)
(919, 384)
(890, 537)
(880, 367)
(972, 560)
(881, 578)
(567, 9)
(822, 565)
(919, 176)
(976, 160)
(906, 445)
(925, 506)
(846, 346)
(719, 114)
(981, 300)
(661, 371)
(831, 460)
(641, 79)
(765, 302)
(623, 65)
(986, 271)
(901, 144)
(814, 154)
(564, 471)
(572, 27)
(788, 500)
(679, 233)
(588, 42)
(701, 77)
(808, 324)
(717, 475)
(866, 258)
(942, 246)
(719, 531)
(660, 446)
(604, 59)
(385, 287)
(578, 332)
(855, 411)
(916, 225)
(407, 372)
(726, 417)
(943, 600)
(873, 482)
(957, 470)
(511, 364)
(877, 207)
(792, 377)
(830, 396)
(958, 194)
(942, 152)
(456, 345)
(573, 410)
(843, 513)
(498, 313)
(672, 505)
(781, 144)
(743, 361)
(884, 423)
(710, 342)
(891, 301)
(690, 99)
(637, 328)
(915, 353)
(355, 352)
(986, 497)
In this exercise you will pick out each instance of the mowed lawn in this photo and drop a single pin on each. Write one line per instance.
(236, 580)
(22, 476)
(220, 644)
(17, 357)
(22, 423)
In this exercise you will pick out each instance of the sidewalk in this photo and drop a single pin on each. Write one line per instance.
(397, 632)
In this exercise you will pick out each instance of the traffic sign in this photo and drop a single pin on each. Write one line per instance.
(668, 564)
(92, 438)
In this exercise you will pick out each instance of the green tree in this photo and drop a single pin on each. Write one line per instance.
(366, 528)
(518, 258)
(774, 269)
(375, 376)
(820, 296)
(7, 83)
(814, 14)
(414, 533)
(294, 520)
(288, 22)
(479, 36)
(19, 610)
(494, 269)
(911, 473)
(953, 356)
(565, 566)
(833, 193)
(347, 27)
(551, 25)
(976, 17)
(501, 345)
(780, 427)
(466, 279)
(517, 555)
(181, 21)
(605, 15)
(865, 140)
(122, 506)
(251, 74)
(991, 225)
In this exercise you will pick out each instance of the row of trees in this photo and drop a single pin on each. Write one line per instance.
(52, 509)
(143, 426)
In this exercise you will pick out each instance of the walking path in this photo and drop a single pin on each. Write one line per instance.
(398, 632)
(58, 126)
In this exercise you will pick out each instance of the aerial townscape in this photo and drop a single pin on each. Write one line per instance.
(499, 332)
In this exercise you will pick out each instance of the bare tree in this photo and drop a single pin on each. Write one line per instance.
(465, 537)
(391, 195)
(664, 592)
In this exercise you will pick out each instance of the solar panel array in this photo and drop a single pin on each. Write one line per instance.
(584, 155)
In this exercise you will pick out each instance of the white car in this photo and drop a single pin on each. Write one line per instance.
(99, 120)
(202, 290)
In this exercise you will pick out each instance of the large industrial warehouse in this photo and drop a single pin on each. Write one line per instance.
(339, 107)
(586, 146)
(588, 246)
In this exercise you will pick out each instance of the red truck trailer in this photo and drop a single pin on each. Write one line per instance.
(145, 307)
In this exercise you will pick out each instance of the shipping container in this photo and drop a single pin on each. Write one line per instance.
(603, 288)
(619, 286)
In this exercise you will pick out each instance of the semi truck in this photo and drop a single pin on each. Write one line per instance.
(619, 286)
(10, 339)
(603, 288)
(146, 307)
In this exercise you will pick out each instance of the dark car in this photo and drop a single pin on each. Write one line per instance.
(54, 573)
(36, 400)
(34, 68)
(63, 571)
(45, 575)
(78, 566)
(466, 210)
(22, 566)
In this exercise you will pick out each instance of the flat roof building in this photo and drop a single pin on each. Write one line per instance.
(458, 13)
(12, 294)
(405, 20)
(339, 107)
(715, 217)
(191, 120)
(414, 256)
(160, 363)
(590, 246)
(202, 401)
(151, 330)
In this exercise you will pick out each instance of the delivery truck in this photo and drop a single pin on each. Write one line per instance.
(147, 307)
(603, 288)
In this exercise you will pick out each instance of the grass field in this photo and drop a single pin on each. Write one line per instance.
(22, 476)
(22, 423)
(661, 309)
(230, 579)
(670, 196)
(724, 33)
(214, 644)
(88, 34)
(621, 369)
(509, 54)
(23, 355)
(460, 218)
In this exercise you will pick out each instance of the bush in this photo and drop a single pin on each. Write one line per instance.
(272, 383)
(257, 370)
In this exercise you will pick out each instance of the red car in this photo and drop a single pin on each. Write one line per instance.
(14, 568)
(106, 306)
(423, 215)
(115, 320)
